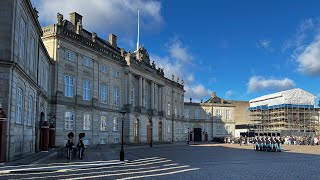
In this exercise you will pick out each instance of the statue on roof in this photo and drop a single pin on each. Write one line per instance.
(153, 65)
(143, 55)
(172, 77)
(178, 79)
(60, 19)
(182, 82)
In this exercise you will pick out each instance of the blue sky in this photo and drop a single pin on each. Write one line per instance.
(239, 49)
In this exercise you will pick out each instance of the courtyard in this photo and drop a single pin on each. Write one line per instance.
(180, 161)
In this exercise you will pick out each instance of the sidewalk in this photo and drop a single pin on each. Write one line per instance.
(33, 158)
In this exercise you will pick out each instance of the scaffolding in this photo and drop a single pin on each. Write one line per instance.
(286, 119)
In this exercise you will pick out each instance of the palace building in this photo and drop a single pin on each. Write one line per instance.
(95, 79)
(25, 76)
(67, 79)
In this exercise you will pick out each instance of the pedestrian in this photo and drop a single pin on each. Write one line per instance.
(240, 140)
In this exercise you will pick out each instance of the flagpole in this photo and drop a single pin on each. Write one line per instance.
(138, 31)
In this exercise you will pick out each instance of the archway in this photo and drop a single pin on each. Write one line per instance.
(136, 131)
(160, 131)
(197, 134)
(38, 132)
(149, 131)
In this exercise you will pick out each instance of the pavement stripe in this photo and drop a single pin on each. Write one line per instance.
(55, 168)
(130, 173)
(162, 174)
(133, 164)
(99, 172)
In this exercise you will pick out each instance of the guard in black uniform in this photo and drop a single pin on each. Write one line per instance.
(70, 145)
(81, 145)
(260, 143)
(268, 142)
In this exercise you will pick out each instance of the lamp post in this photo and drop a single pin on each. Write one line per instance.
(123, 113)
(150, 121)
(188, 136)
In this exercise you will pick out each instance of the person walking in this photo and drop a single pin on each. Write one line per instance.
(241, 140)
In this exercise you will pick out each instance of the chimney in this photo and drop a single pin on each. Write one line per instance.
(213, 95)
(75, 18)
(113, 40)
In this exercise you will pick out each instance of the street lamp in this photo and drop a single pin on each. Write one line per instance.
(150, 121)
(188, 135)
(123, 114)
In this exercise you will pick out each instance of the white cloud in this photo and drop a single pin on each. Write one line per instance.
(196, 92)
(265, 44)
(305, 29)
(112, 16)
(259, 83)
(175, 64)
(179, 52)
(309, 59)
(228, 94)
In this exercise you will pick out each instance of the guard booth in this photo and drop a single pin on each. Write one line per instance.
(3, 128)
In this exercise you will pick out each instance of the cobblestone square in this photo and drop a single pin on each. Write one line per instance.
(194, 161)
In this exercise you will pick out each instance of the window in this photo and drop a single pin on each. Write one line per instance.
(22, 38)
(86, 90)
(228, 115)
(68, 86)
(208, 113)
(86, 121)
(196, 113)
(19, 106)
(116, 140)
(69, 118)
(168, 110)
(87, 62)
(103, 125)
(32, 53)
(46, 78)
(30, 112)
(228, 129)
(186, 130)
(43, 74)
(186, 113)
(169, 128)
(218, 129)
(145, 95)
(156, 97)
(70, 56)
(175, 110)
(177, 128)
(218, 112)
(104, 69)
(132, 95)
(116, 97)
(103, 140)
(116, 124)
(116, 74)
(104, 94)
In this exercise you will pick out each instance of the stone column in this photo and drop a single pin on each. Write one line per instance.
(129, 88)
(143, 92)
(163, 100)
(140, 91)
(152, 95)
